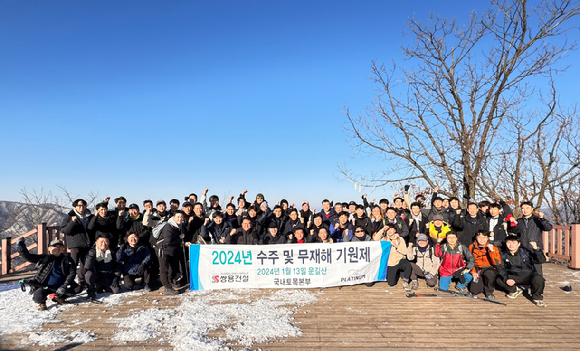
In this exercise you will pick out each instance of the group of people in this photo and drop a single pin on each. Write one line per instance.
(479, 248)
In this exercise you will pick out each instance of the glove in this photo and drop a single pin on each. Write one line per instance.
(61, 290)
(115, 283)
(140, 269)
(459, 275)
(20, 241)
(407, 187)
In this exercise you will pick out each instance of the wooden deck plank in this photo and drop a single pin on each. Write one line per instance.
(375, 317)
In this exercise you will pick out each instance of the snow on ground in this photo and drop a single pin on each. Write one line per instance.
(20, 315)
(234, 315)
(239, 317)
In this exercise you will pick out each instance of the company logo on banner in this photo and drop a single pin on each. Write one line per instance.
(287, 265)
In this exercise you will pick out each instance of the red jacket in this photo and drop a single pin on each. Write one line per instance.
(453, 259)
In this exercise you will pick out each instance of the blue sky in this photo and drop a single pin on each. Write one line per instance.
(151, 99)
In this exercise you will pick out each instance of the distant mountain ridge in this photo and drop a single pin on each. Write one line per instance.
(17, 218)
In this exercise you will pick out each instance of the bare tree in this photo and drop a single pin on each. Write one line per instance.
(469, 116)
(38, 206)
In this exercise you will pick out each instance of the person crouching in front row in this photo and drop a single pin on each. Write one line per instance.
(456, 262)
(56, 273)
(101, 270)
(424, 262)
(133, 259)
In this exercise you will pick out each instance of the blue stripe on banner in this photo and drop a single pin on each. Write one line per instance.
(194, 283)
(382, 274)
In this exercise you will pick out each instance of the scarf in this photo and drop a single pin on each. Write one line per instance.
(104, 255)
(82, 218)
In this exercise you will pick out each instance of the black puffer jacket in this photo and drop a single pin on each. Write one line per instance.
(92, 264)
(106, 227)
(77, 234)
(45, 264)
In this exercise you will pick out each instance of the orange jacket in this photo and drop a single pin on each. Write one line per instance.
(484, 257)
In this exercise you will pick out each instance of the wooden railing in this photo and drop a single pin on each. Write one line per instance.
(43, 234)
(562, 245)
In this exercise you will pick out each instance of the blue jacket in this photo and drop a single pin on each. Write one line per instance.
(130, 258)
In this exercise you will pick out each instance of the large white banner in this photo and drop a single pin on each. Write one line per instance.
(288, 265)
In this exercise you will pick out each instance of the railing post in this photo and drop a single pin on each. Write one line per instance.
(546, 242)
(575, 246)
(42, 239)
(6, 252)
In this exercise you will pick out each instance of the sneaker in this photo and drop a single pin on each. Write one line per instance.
(490, 297)
(415, 285)
(406, 287)
(41, 306)
(515, 294)
(539, 303)
(147, 288)
(461, 290)
(59, 300)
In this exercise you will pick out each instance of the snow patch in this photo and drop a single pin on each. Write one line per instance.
(189, 325)
(19, 313)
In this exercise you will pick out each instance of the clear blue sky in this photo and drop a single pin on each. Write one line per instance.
(157, 99)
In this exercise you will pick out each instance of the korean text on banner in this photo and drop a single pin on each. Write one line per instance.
(288, 265)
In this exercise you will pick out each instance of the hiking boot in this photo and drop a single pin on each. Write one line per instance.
(41, 306)
(462, 290)
(490, 297)
(539, 303)
(415, 285)
(515, 294)
(79, 288)
(59, 300)
(406, 287)
(170, 291)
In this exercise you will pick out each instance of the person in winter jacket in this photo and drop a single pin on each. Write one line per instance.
(133, 223)
(341, 230)
(298, 237)
(218, 230)
(315, 225)
(328, 214)
(424, 262)
(376, 230)
(400, 224)
(104, 223)
(398, 263)
(487, 259)
(170, 253)
(246, 235)
(519, 268)
(469, 224)
(437, 209)
(323, 236)
(231, 217)
(456, 262)
(499, 224)
(133, 259)
(417, 222)
(360, 234)
(437, 230)
(292, 224)
(78, 237)
(56, 273)
(273, 236)
(531, 227)
(360, 219)
(102, 271)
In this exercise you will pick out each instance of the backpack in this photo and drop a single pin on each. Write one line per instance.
(157, 229)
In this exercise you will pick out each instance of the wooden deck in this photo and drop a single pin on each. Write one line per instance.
(380, 317)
